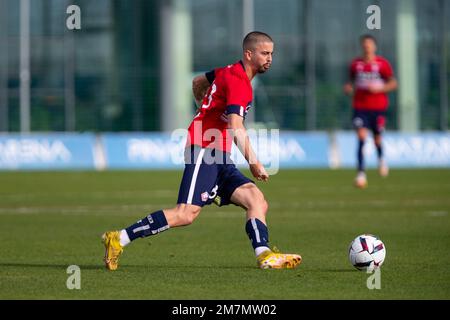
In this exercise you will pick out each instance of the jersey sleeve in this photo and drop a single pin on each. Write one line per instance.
(238, 97)
(210, 75)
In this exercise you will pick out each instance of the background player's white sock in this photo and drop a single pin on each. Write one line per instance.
(260, 250)
(124, 239)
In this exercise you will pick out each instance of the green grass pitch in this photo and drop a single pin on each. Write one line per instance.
(49, 221)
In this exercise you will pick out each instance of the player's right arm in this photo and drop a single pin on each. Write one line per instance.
(242, 141)
(200, 86)
(348, 87)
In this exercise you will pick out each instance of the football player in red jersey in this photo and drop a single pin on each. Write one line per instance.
(371, 78)
(210, 175)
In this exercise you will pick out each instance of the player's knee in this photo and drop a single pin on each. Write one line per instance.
(188, 214)
(258, 202)
(188, 219)
(264, 206)
(362, 134)
(377, 140)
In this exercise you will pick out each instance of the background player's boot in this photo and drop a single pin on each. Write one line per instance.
(361, 180)
(276, 260)
(383, 169)
(113, 249)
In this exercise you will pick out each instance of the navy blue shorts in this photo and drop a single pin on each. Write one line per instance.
(373, 120)
(209, 176)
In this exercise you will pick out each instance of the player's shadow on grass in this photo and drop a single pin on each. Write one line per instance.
(333, 270)
(52, 266)
(101, 266)
(194, 266)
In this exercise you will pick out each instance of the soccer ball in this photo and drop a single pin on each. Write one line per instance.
(366, 252)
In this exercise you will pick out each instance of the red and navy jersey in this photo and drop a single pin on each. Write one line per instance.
(230, 92)
(365, 74)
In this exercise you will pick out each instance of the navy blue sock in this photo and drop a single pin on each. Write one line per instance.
(152, 224)
(257, 233)
(360, 155)
(379, 151)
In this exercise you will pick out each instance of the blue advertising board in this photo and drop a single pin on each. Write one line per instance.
(166, 151)
(423, 149)
(143, 150)
(275, 150)
(47, 151)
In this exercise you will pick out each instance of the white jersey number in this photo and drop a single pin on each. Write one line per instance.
(213, 90)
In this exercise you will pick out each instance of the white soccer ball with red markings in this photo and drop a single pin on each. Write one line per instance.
(367, 252)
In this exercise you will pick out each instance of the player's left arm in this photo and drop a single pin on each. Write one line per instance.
(238, 95)
(242, 141)
(390, 83)
(388, 86)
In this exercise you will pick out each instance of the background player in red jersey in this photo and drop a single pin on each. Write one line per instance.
(209, 174)
(371, 77)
